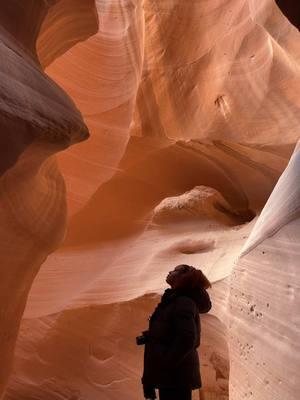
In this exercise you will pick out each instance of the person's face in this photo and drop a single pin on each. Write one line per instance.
(176, 274)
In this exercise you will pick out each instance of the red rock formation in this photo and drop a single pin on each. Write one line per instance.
(66, 23)
(37, 120)
(176, 95)
(102, 76)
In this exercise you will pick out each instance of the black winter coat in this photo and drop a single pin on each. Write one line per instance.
(171, 357)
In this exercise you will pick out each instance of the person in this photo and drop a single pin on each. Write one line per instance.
(171, 362)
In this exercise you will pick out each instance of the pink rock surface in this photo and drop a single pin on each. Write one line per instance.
(264, 296)
(177, 96)
(102, 76)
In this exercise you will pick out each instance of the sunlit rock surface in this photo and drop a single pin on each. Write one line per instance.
(67, 22)
(102, 76)
(265, 299)
(96, 357)
(201, 202)
(176, 95)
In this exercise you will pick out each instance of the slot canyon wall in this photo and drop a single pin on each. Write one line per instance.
(137, 135)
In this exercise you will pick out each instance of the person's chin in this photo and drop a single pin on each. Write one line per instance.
(169, 281)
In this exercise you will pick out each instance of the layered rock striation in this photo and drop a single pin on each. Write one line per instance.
(67, 23)
(194, 101)
(265, 299)
(38, 120)
(102, 75)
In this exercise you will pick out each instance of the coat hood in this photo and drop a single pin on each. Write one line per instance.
(200, 297)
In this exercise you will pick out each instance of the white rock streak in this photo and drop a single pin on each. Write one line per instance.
(282, 207)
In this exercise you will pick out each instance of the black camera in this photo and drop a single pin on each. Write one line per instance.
(143, 339)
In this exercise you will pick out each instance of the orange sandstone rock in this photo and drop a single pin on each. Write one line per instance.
(176, 95)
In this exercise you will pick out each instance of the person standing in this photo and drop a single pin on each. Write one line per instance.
(171, 361)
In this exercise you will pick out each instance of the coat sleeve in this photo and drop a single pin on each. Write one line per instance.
(185, 331)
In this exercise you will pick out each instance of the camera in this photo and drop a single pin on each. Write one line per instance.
(142, 339)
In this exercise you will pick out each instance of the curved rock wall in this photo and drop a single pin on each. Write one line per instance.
(66, 23)
(265, 299)
(218, 70)
(176, 96)
(102, 76)
(37, 120)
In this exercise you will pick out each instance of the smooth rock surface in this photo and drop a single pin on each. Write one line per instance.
(176, 95)
(37, 120)
(265, 299)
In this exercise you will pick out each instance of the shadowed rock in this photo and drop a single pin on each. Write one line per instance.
(37, 120)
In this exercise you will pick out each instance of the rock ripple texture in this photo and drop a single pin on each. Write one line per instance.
(178, 97)
(200, 202)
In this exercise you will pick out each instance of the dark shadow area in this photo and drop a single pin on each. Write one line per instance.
(291, 9)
